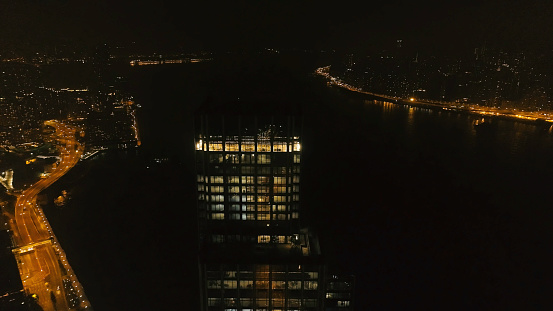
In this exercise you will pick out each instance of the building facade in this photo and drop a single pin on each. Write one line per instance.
(254, 253)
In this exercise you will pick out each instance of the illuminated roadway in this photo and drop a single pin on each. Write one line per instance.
(42, 263)
(471, 108)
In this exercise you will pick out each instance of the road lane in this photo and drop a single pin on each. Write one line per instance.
(41, 268)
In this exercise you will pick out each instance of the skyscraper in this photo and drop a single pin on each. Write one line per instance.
(254, 253)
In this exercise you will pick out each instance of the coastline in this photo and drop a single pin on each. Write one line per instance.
(524, 117)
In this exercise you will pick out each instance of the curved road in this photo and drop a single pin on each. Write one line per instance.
(43, 266)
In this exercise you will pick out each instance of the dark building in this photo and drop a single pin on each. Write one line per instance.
(12, 295)
(255, 255)
(339, 293)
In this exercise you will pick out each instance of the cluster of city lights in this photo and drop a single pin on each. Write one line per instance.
(472, 108)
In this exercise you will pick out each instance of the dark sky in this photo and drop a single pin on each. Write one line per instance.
(230, 24)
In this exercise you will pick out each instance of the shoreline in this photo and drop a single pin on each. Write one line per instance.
(523, 117)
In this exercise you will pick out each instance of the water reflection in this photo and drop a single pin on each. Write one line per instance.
(506, 141)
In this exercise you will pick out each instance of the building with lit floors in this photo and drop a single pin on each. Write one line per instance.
(254, 254)
(339, 293)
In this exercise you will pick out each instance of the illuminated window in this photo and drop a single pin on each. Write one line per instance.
(234, 179)
(294, 284)
(262, 189)
(248, 158)
(280, 198)
(232, 158)
(279, 189)
(296, 197)
(215, 146)
(249, 208)
(248, 198)
(296, 188)
(279, 284)
(248, 189)
(279, 208)
(246, 284)
(342, 303)
(216, 198)
(217, 189)
(297, 146)
(248, 146)
(263, 180)
(201, 187)
(279, 180)
(230, 284)
(263, 216)
(234, 189)
(200, 178)
(234, 198)
(231, 146)
(263, 198)
(248, 180)
(216, 207)
(263, 238)
(216, 179)
(296, 179)
(213, 301)
(263, 208)
(217, 216)
(230, 302)
(296, 158)
(310, 285)
(313, 275)
(264, 146)
(295, 215)
(235, 216)
(264, 159)
(248, 216)
(279, 146)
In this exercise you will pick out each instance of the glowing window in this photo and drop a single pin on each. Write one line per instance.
(216, 207)
(263, 238)
(217, 216)
(217, 189)
(216, 179)
(234, 189)
(246, 284)
(215, 146)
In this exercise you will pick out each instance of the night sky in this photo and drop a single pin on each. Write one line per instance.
(232, 25)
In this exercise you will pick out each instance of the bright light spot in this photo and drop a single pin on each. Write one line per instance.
(412, 99)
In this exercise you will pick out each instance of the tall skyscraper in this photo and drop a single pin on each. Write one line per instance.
(254, 253)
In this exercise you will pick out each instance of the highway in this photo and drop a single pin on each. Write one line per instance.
(43, 266)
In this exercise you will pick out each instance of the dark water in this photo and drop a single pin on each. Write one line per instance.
(421, 208)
